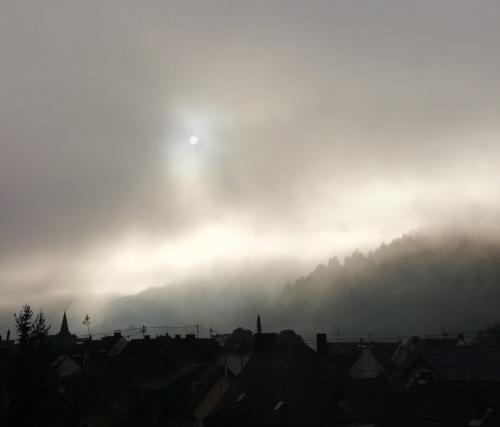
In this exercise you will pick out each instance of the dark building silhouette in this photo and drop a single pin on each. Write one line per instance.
(345, 354)
(284, 383)
(64, 341)
(446, 404)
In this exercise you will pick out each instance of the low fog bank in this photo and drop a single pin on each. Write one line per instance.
(223, 299)
(226, 287)
(418, 283)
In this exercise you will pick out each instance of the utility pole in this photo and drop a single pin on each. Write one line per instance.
(197, 330)
(144, 330)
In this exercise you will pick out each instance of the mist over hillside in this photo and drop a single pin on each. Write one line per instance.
(417, 283)
(223, 299)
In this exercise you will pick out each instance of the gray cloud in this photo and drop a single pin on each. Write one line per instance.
(315, 118)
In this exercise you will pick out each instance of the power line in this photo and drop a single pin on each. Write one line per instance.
(335, 336)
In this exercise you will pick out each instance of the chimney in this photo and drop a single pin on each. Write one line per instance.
(321, 343)
(263, 341)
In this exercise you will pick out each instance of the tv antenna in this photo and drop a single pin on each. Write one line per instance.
(87, 323)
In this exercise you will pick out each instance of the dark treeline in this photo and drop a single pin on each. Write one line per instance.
(416, 284)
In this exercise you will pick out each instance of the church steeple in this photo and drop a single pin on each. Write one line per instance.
(64, 326)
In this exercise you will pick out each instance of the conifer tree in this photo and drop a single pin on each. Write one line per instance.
(31, 332)
(39, 330)
(23, 325)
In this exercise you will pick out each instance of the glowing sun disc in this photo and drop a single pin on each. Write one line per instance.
(193, 140)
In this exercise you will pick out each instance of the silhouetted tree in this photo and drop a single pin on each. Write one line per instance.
(24, 326)
(415, 283)
(30, 370)
(39, 330)
(31, 332)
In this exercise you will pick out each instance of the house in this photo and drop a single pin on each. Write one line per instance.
(193, 350)
(446, 404)
(365, 389)
(366, 366)
(345, 354)
(130, 362)
(285, 380)
(63, 367)
(404, 350)
(164, 381)
(238, 348)
(184, 396)
(464, 363)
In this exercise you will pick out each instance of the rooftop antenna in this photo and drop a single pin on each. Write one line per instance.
(87, 323)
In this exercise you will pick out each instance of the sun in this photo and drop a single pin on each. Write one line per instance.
(193, 140)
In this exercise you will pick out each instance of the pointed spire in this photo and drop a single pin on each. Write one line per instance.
(64, 326)
(259, 325)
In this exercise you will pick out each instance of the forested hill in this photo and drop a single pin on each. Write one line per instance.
(415, 284)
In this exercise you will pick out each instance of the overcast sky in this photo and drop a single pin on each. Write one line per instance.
(323, 126)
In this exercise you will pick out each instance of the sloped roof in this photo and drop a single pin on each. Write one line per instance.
(192, 350)
(181, 389)
(446, 404)
(465, 363)
(345, 353)
(139, 360)
(366, 366)
(102, 346)
(64, 366)
(399, 358)
(286, 381)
